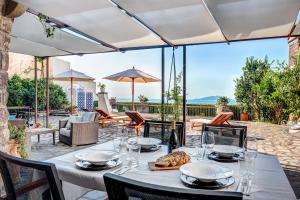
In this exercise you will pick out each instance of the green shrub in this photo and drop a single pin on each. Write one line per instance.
(18, 134)
(21, 93)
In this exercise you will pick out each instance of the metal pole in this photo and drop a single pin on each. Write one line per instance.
(162, 81)
(35, 91)
(132, 89)
(71, 95)
(184, 94)
(47, 92)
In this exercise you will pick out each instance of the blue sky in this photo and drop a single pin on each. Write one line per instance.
(211, 69)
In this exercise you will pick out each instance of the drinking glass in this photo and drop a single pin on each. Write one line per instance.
(134, 150)
(207, 142)
(117, 143)
(250, 154)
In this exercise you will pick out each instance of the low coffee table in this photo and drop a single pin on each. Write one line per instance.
(39, 131)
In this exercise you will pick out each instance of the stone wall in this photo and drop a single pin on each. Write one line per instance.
(8, 11)
(5, 29)
(294, 46)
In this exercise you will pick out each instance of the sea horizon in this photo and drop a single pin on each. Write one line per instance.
(210, 100)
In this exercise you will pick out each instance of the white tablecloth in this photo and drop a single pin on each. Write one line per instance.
(270, 180)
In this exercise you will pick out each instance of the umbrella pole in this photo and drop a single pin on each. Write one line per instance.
(71, 95)
(132, 89)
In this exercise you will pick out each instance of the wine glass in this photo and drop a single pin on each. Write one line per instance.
(207, 142)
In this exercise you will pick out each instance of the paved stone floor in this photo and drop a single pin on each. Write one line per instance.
(273, 139)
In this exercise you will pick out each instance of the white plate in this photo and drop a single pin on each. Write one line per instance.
(206, 171)
(144, 141)
(227, 150)
(97, 157)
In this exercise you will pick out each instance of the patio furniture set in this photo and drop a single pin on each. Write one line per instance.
(60, 178)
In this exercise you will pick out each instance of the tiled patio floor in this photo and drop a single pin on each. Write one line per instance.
(275, 140)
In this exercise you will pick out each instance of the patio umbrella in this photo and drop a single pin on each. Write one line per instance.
(72, 75)
(134, 76)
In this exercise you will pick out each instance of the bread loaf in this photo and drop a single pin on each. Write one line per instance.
(173, 159)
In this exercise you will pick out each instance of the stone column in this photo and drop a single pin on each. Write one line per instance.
(8, 10)
(5, 28)
(294, 47)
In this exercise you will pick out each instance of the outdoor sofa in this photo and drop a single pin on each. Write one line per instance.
(79, 130)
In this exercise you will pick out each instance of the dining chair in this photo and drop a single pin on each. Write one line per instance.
(162, 130)
(228, 134)
(121, 188)
(26, 179)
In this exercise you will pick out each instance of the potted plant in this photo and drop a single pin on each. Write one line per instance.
(222, 104)
(143, 100)
(101, 87)
(245, 110)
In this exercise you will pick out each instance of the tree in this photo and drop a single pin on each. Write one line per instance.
(21, 93)
(272, 93)
(246, 86)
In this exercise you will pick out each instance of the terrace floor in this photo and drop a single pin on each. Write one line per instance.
(273, 139)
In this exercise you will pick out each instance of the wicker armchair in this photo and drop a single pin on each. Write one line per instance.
(80, 133)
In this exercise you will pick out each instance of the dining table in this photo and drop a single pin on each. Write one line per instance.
(270, 181)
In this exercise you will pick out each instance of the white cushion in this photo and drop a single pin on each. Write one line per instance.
(72, 119)
(65, 132)
(204, 121)
(88, 116)
(295, 127)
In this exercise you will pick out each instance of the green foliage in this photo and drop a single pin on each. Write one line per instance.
(223, 100)
(18, 134)
(271, 93)
(143, 99)
(173, 109)
(21, 93)
(49, 30)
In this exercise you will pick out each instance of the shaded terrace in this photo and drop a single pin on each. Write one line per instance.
(133, 25)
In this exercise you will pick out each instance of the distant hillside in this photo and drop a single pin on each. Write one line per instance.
(208, 100)
(204, 100)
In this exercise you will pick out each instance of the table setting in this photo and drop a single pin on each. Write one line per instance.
(207, 166)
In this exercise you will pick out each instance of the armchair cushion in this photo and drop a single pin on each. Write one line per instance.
(65, 132)
(72, 119)
(88, 116)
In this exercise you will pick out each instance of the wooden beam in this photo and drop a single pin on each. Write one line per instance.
(47, 92)
(35, 91)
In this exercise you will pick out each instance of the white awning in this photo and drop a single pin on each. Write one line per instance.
(137, 24)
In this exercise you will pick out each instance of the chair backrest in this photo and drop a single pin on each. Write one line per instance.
(26, 179)
(162, 130)
(221, 118)
(135, 116)
(102, 113)
(119, 188)
(89, 116)
(227, 134)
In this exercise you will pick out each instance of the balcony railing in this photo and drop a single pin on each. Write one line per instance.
(192, 109)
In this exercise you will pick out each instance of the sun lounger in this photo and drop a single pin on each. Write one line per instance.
(106, 118)
(137, 121)
(217, 120)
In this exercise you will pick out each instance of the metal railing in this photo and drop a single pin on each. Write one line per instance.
(192, 109)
